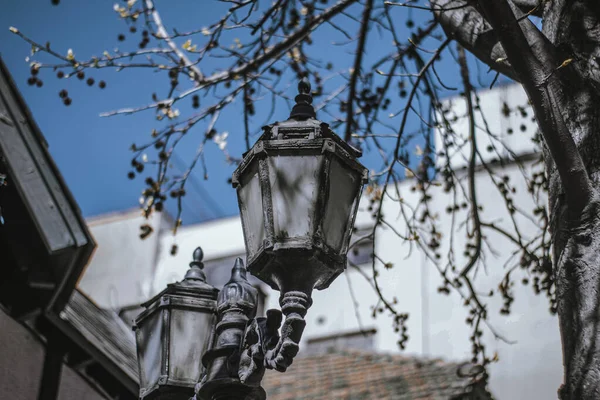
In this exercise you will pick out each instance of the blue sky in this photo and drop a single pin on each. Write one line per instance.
(93, 152)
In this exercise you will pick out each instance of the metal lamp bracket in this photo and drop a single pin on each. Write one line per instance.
(263, 348)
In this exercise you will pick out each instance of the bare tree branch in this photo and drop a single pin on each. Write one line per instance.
(531, 7)
(162, 33)
(464, 23)
(356, 69)
(464, 70)
(540, 74)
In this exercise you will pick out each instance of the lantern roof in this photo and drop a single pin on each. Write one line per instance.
(194, 282)
(303, 119)
(301, 131)
(193, 286)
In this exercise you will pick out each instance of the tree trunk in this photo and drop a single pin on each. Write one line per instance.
(560, 71)
(576, 256)
(573, 27)
(577, 275)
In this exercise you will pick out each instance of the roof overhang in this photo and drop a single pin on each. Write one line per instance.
(44, 238)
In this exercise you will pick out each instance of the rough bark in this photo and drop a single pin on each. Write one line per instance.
(463, 22)
(532, 7)
(573, 27)
(577, 274)
(560, 72)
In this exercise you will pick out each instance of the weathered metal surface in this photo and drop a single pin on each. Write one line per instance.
(173, 333)
(236, 308)
(297, 227)
(287, 184)
(291, 255)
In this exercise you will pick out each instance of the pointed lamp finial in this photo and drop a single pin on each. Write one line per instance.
(238, 272)
(304, 86)
(238, 291)
(303, 108)
(195, 272)
(198, 257)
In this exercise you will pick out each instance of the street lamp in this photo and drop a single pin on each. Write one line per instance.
(172, 334)
(298, 191)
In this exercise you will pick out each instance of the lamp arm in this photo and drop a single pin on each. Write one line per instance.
(294, 305)
(263, 347)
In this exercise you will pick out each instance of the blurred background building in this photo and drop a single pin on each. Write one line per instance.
(126, 271)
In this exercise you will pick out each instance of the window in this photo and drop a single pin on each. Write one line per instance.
(360, 251)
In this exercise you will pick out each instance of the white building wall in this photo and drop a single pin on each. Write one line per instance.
(493, 129)
(122, 269)
(218, 239)
(530, 368)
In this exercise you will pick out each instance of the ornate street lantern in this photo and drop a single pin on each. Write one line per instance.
(298, 191)
(173, 333)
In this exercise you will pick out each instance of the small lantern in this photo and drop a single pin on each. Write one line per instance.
(298, 191)
(173, 333)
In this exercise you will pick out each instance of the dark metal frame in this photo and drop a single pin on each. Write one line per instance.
(167, 302)
(192, 294)
(311, 137)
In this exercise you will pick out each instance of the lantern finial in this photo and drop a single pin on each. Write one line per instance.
(198, 257)
(195, 272)
(239, 271)
(304, 86)
(303, 108)
(238, 290)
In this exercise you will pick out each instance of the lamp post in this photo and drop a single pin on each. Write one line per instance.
(298, 190)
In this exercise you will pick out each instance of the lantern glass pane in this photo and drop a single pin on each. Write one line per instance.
(251, 210)
(294, 189)
(344, 186)
(149, 345)
(190, 333)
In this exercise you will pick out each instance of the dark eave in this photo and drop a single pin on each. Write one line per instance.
(45, 245)
(39, 210)
(103, 335)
